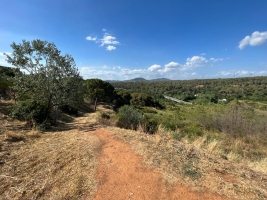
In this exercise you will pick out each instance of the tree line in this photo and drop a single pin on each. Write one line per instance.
(204, 90)
(44, 82)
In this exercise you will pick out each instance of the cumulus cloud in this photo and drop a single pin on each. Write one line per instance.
(110, 48)
(108, 39)
(195, 61)
(257, 38)
(154, 68)
(171, 70)
(91, 38)
(172, 65)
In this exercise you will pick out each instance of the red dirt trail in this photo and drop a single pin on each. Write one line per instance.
(122, 175)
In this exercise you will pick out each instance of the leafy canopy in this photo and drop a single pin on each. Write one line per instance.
(99, 90)
(47, 77)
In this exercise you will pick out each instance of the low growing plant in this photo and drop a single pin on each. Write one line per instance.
(129, 118)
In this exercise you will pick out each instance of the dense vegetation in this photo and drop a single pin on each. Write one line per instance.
(6, 75)
(235, 128)
(204, 90)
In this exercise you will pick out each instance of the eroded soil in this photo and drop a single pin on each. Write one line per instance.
(123, 175)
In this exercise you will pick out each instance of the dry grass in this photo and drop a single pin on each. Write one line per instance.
(53, 165)
(196, 168)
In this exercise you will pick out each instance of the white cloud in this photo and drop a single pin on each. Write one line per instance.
(110, 48)
(203, 54)
(216, 59)
(172, 65)
(225, 73)
(257, 38)
(242, 73)
(262, 72)
(3, 61)
(108, 39)
(195, 61)
(104, 30)
(91, 38)
(2, 54)
(154, 68)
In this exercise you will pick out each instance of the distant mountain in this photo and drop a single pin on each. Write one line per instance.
(140, 79)
(112, 81)
(159, 79)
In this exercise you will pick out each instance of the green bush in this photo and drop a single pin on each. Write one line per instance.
(104, 115)
(192, 130)
(30, 111)
(147, 110)
(129, 118)
(151, 126)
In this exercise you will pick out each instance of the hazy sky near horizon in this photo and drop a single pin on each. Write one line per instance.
(124, 39)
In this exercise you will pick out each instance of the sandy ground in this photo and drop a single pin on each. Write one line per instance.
(123, 175)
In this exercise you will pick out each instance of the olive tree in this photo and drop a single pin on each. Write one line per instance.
(98, 90)
(45, 76)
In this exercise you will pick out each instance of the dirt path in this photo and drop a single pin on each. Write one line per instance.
(122, 175)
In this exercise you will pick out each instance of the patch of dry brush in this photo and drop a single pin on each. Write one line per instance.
(53, 165)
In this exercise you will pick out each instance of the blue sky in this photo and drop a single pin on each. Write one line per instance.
(124, 39)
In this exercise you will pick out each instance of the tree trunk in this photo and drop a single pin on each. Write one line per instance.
(95, 104)
(56, 116)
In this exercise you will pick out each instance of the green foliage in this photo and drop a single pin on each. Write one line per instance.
(148, 110)
(104, 115)
(6, 81)
(203, 90)
(129, 118)
(98, 90)
(50, 79)
(121, 98)
(143, 99)
(31, 111)
(150, 125)
(192, 130)
(69, 110)
(177, 136)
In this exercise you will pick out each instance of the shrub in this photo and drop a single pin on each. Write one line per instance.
(150, 126)
(192, 130)
(104, 115)
(129, 118)
(30, 111)
(69, 110)
(235, 119)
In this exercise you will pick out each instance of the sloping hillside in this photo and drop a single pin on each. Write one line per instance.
(86, 159)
